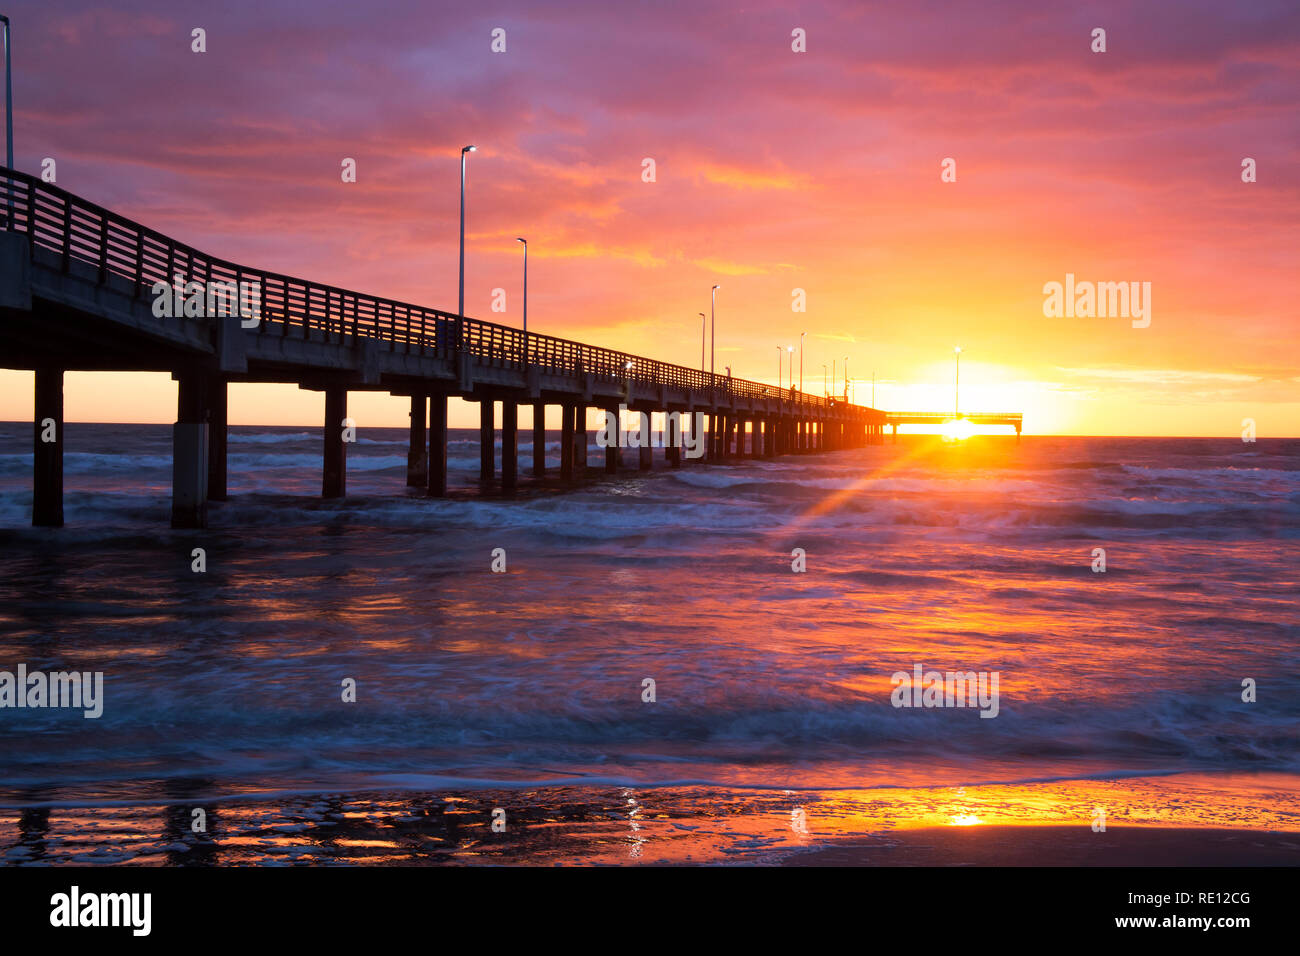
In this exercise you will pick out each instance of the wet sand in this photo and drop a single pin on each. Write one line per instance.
(1181, 820)
(1058, 846)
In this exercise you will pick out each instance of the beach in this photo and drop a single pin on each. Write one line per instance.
(524, 691)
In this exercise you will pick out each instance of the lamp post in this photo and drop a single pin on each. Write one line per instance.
(956, 380)
(826, 388)
(9, 117)
(846, 378)
(790, 351)
(525, 244)
(801, 335)
(704, 320)
(780, 367)
(460, 308)
(713, 328)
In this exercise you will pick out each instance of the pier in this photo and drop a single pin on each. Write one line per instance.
(894, 419)
(82, 288)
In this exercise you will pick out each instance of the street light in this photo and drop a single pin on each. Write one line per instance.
(780, 367)
(790, 350)
(9, 119)
(801, 335)
(956, 379)
(713, 317)
(525, 242)
(704, 324)
(460, 309)
(826, 380)
(846, 378)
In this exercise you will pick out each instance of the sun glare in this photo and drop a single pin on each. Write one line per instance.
(957, 429)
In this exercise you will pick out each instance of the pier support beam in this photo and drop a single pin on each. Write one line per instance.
(438, 445)
(566, 442)
(613, 453)
(335, 479)
(580, 441)
(217, 438)
(539, 439)
(190, 451)
(486, 439)
(673, 439)
(509, 445)
(47, 458)
(417, 455)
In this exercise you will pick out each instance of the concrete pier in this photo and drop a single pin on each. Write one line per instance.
(47, 456)
(437, 461)
(509, 446)
(486, 439)
(566, 442)
(417, 455)
(217, 438)
(334, 483)
(539, 439)
(190, 451)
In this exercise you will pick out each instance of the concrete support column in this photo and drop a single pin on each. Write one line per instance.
(566, 442)
(673, 440)
(47, 458)
(613, 452)
(539, 439)
(509, 445)
(335, 480)
(190, 451)
(217, 438)
(580, 440)
(417, 455)
(438, 445)
(486, 439)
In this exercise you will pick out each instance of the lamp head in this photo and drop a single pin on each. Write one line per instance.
(469, 149)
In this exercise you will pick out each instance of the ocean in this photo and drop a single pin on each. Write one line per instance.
(525, 691)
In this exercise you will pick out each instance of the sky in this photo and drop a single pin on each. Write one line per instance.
(774, 171)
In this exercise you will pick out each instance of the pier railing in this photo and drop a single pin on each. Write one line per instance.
(78, 230)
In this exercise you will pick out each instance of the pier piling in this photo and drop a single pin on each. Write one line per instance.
(47, 458)
(335, 480)
(437, 464)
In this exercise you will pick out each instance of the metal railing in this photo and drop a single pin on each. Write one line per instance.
(960, 415)
(77, 230)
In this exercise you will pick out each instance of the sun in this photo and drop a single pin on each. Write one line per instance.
(957, 429)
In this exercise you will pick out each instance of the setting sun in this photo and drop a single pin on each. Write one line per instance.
(957, 429)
